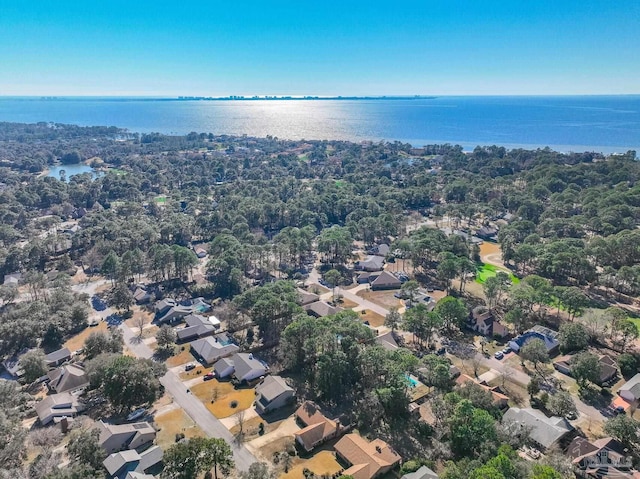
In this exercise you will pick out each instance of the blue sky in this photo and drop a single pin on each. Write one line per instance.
(328, 47)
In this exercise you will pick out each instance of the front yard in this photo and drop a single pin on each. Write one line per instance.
(220, 397)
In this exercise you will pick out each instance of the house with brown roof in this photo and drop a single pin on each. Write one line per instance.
(608, 367)
(483, 322)
(305, 297)
(316, 427)
(56, 358)
(603, 458)
(385, 280)
(273, 393)
(500, 400)
(320, 309)
(366, 460)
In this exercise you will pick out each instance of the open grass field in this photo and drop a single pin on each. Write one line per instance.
(486, 271)
(321, 463)
(375, 320)
(223, 394)
(182, 357)
(175, 422)
(77, 341)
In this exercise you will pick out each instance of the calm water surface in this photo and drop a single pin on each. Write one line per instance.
(601, 123)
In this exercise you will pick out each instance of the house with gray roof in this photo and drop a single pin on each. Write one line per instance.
(273, 393)
(243, 366)
(116, 437)
(306, 297)
(69, 377)
(544, 431)
(175, 314)
(56, 358)
(372, 263)
(423, 473)
(630, 390)
(320, 309)
(387, 341)
(197, 327)
(120, 464)
(57, 406)
(12, 279)
(212, 348)
(164, 305)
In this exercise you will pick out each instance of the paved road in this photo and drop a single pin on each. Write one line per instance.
(211, 426)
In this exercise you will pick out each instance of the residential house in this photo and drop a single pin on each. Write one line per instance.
(423, 473)
(121, 464)
(12, 279)
(175, 314)
(630, 391)
(544, 431)
(56, 358)
(608, 368)
(488, 233)
(200, 250)
(57, 406)
(316, 427)
(117, 437)
(320, 309)
(379, 250)
(69, 377)
(197, 327)
(546, 335)
(366, 277)
(138, 475)
(211, 349)
(385, 280)
(387, 341)
(243, 366)
(141, 295)
(500, 400)
(603, 458)
(12, 364)
(161, 307)
(483, 322)
(306, 297)
(273, 393)
(371, 263)
(367, 460)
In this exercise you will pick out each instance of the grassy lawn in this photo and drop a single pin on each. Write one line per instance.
(321, 463)
(346, 303)
(77, 341)
(223, 394)
(375, 320)
(182, 357)
(194, 373)
(386, 299)
(174, 422)
(486, 271)
(252, 427)
(636, 321)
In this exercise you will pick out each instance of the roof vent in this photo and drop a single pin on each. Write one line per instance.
(250, 355)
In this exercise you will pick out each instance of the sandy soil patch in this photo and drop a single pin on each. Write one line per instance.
(175, 422)
(321, 463)
(194, 373)
(76, 342)
(278, 445)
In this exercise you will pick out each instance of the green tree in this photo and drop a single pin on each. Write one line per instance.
(628, 364)
(585, 368)
(166, 337)
(573, 300)
(333, 277)
(258, 470)
(561, 404)
(84, 448)
(541, 471)
(493, 289)
(33, 365)
(393, 319)
(534, 351)
(470, 429)
(121, 297)
(452, 311)
(336, 243)
(573, 337)
(111, 266)
(410, 290)
(128, 382)
(100, 342)
(625, 429)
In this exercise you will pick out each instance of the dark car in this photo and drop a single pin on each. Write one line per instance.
(209, 376)
(98, 304)
(441, 351)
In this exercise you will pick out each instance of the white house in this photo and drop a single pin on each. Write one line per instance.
(631, 389)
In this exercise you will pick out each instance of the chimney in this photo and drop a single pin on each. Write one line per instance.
(64, 424)
(250, 355)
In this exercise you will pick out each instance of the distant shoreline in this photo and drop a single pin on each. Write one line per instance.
(225, 98)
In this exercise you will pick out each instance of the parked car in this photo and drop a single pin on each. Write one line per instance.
(507, 350)
(499, 355)
(190, 367)
(441, 351)
(209, 376)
